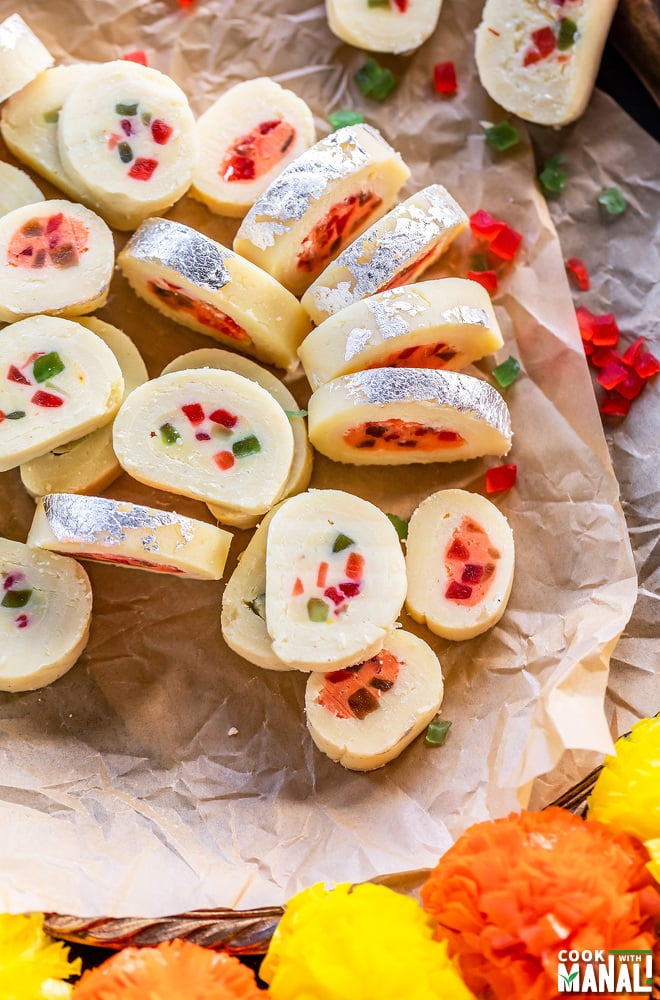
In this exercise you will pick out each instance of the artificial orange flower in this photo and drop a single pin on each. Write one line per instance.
(175, 970)
(511, 893)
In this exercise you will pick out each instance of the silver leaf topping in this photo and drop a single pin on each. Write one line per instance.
(103, 522)
(194, 256)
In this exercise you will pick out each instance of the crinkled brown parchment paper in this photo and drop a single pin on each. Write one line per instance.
(122, 790)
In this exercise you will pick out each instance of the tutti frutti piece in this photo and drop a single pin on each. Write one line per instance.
(383, 25)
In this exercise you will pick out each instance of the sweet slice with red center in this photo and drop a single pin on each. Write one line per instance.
(334, 580)
(387, 26)
(446, 323)
(395, 250)
(365, 715)
(247, 137)
(395, 416)
(460, 560)
(321, 201)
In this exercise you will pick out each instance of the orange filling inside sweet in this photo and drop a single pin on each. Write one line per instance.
(331, 233)
(53, 241)
(131, 561)
(411, 271)
(470, 564)
(254, 154)
(397, 435)
(355, 692)
(177, 300)
(434, 355)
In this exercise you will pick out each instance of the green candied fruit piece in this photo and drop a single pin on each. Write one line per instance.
(169, 434)
(47, 366)
(126, 110)
(342, 542)
(553, 178)
(317, 610)
(344, 117)
(15, 415)
(295, 413)
(146, 117)
(374, 80)
(125, 152)
(507, 373)
(567, 32)
(478, 262)
(378, 3)
(437, 732)
(52, 117)
(246, 446)
(400, 525)
(16, 598)
(502, 136)
(613, 201)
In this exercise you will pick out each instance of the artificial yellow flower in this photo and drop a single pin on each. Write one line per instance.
(365, 942)
(32, 965)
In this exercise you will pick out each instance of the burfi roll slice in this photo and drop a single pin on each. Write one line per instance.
(335, 580)
(540, 59)
(56, 257)
(365, 715)
(22, 55)
(57, 382)
(395, 250)
(45, 614)
(446, 323)
(203, 285)
(460, 560)
(16, 189)
(127, 138)
(301, 465)
(127, 534)
(388, 26)
(207, 434)
(396, 416)
(87, 464)
(246, 138)
(320, 203)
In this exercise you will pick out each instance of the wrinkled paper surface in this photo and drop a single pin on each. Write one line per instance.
(122, 790)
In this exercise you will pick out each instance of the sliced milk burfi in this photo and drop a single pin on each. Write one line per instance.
(127, 138)
(319, 203)
(22, 55)
(203, 285)
(58, 381)
(16, 189)
(446, 323)
(395, 416)
(540, 58)
(364, 715)
(55, 257)
(246, 138)
(301, 465)
(335, 580)
(45, 613)
(460, 559)
(383, 25)
(208, 434)
(88, 464)
(127, 534)
(395, 250)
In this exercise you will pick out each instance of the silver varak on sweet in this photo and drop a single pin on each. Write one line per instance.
(99, 520)
(194, 256)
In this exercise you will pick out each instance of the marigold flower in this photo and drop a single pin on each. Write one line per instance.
(177, 970)
(365, 942)
(32, 966)
(511, 893)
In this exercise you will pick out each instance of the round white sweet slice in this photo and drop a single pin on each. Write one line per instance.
(22, 55)
(58, 381)
(396, 416)
(319, 203)
(127, 138)
(16, 189)
(29, 123)
(460, 559)
(203, 285)
(208, 434)
(88, 464)
(246, 138)
(335, 580)
(127, 534)
(387, 26)
(55, 257)
(395, 250)
(446, 323)
(45, 614)
(301, 466)
(364, 716)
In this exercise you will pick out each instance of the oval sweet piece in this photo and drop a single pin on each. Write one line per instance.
(389, 26)
(395, 250)
(446, 323)
(56, 257)
(540, 61)
(22, 55)
(208, 434)
(246, 138)
(301, 465)
(129, 535)
(127, 138)
(45, 613)
(396, 416)
(16, 189)
(88, 464)
(460, 561)
(365, 716)
(335, 580)
(320, 203)
(203, 285)
(58, 382)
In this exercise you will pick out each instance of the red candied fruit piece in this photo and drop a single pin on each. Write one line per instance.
(544, 42)
(472, 573)
(333, 595)
(142, 168)
(15, 375)
(647, 365)
(458, 591)
(185, 3)
(46, 399)
(224, 418)
(202, 436)
(500, 478)
(194, 412)
(54, 222)
(588, 347)
(605, 330)
(485, 226)
(506, 243)
(160, 131)
(354, 566)
(22, 621)
(401, 5)
(612, 374)
(631, 386)
(585, 320)
(137, 56)
(127, 126)
(578, 273)
(444, 78)
(350, 589)
(602, 356)
(633, 352)
(614, 405)
(243, 168)
(224, 460)
(458, 550)
(487, 279)
(298, 588)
